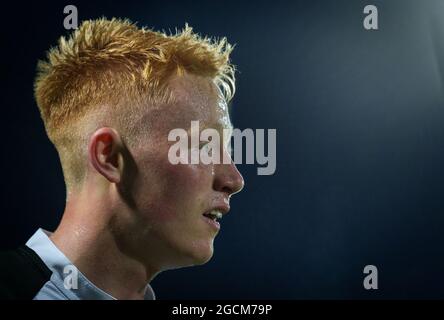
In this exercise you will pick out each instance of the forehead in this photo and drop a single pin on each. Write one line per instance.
(194, 98)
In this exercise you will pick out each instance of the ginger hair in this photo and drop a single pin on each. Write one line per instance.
(106, 69)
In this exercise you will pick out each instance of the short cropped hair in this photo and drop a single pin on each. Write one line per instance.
(115, 64)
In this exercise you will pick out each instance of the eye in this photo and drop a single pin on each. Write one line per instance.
(203, 144)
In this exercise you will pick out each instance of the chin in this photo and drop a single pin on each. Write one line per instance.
(198, 255)
(203, 259)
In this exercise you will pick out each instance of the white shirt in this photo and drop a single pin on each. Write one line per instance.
(66, 282)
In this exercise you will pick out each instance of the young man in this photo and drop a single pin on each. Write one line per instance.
(109, 96)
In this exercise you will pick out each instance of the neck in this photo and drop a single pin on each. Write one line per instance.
(86, 237)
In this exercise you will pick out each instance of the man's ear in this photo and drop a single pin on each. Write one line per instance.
(105, 153)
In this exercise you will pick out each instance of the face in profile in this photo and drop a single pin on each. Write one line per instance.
(173, 205)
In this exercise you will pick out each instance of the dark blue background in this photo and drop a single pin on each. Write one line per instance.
(360, 159)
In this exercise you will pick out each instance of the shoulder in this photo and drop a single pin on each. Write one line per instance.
(22, 274)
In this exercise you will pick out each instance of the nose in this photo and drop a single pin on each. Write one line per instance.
(228, 179)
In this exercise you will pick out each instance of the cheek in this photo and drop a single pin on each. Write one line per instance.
(186, 183)
(186, 176)
(176, 191)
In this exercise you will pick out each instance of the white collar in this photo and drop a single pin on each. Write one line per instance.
(57, 262)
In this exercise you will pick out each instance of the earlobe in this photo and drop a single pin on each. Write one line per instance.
(104, 151)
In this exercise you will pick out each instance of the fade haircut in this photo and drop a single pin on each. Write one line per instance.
(106, 70)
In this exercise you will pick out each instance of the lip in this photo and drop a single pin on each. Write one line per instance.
(214, 224)
(223, 208)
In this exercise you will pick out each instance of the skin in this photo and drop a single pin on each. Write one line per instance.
(136, 214)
